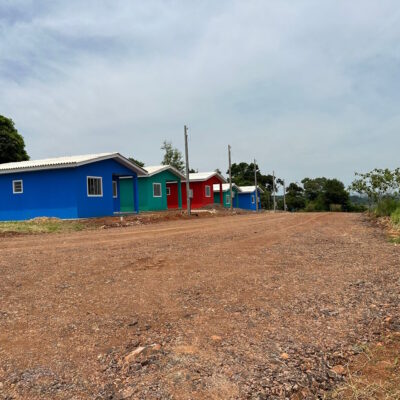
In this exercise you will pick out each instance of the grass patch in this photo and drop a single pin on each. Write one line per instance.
(45, 225)
(374, 374)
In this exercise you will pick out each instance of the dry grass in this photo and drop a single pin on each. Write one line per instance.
(374, 374)
(42, 225)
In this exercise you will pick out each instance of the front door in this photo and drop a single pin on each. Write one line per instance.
(126, 195)
(172, 195)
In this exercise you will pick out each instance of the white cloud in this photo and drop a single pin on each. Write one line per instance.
(308, 88)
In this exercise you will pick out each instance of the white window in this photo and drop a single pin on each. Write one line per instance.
(115, 189)
(253, 200)
(156, 189)
(18, 187)
(168, 191)
(228, 199)
(94, 186)
(191, 193)
(208, 191)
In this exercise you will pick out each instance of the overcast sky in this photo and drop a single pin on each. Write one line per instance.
(309, 88)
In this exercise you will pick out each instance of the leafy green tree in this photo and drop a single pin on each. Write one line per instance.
(334, 192)
(137, 162)
(172, 156)
(295, 198)
(12, 145)
(313, 187)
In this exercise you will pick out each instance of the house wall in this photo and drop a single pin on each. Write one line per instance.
(60, 193)
(235, 202)
(199, 197)
(147, 202)
(245, 201)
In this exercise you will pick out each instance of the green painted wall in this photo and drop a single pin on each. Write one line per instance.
(226, 204)
(146, 200)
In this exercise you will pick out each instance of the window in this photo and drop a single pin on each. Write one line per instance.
(191, 193)
(168, 191)
(18, 187)
(253, 199)
(115, 189)
(94, 186)
(208, 191)
(156, 189)
(228, 199)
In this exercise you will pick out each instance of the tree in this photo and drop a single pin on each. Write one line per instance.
(12, 145)
(137, 162)
(295, 199)
(172, 156)
(334, 193)
(313, 187)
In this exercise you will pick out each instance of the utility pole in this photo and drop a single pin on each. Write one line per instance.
(255, 183)
(273, 188)
(230, 177)
(187, 171)
(284, 196)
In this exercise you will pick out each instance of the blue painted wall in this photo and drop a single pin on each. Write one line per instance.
(60, 192)
(245, 201)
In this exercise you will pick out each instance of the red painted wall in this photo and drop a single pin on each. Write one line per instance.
(199, 192)
(173, 198)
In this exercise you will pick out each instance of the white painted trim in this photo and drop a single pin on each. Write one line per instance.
(253, 199)
(115, 184)
(168, 191)
(157, 183)
(227, 199)
(22, 186)
(125, 177)
(205, 189)
(87, 186)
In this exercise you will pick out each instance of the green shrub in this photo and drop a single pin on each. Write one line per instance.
(395, 216)
(335, 207)
(386, 207)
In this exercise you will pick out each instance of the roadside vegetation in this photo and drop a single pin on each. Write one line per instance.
(40, 225)
(381, 187)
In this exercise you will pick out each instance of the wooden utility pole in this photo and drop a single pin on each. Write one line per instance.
(230, 177)
(187, 171)
(255, 183)
(273, 188)
(284, 196)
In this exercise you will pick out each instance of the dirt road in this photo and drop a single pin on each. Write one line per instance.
(248, 306)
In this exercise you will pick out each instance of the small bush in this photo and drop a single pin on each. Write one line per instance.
(395, 216)
(335, 207)
(386, 207)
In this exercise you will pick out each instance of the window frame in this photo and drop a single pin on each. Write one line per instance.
(168, 191)
(115, 189)
(209, 189)
(154, 185)
(22, 186)
(253, 199)
(101, 186)
(228, 199)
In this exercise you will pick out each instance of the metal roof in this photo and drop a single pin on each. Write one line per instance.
(225, 187)
(204, 176)
(156, 169)
(67, 162)
(249, 189)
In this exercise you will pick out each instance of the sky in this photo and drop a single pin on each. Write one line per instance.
(308, 87)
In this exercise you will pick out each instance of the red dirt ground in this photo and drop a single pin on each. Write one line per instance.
(264, 306)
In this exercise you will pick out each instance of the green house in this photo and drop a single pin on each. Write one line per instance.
(226, 194)
(160, 189)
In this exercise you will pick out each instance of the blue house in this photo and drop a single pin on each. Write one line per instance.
(69, 187)
(247, 197)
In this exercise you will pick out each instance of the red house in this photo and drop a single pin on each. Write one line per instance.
(201, 186)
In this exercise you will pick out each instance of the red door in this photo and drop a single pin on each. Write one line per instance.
(172, 195)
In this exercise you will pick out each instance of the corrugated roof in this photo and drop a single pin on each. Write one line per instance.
(66, 162)
(249, 189)
(225, 187)
(203, 176)
(156, 169)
